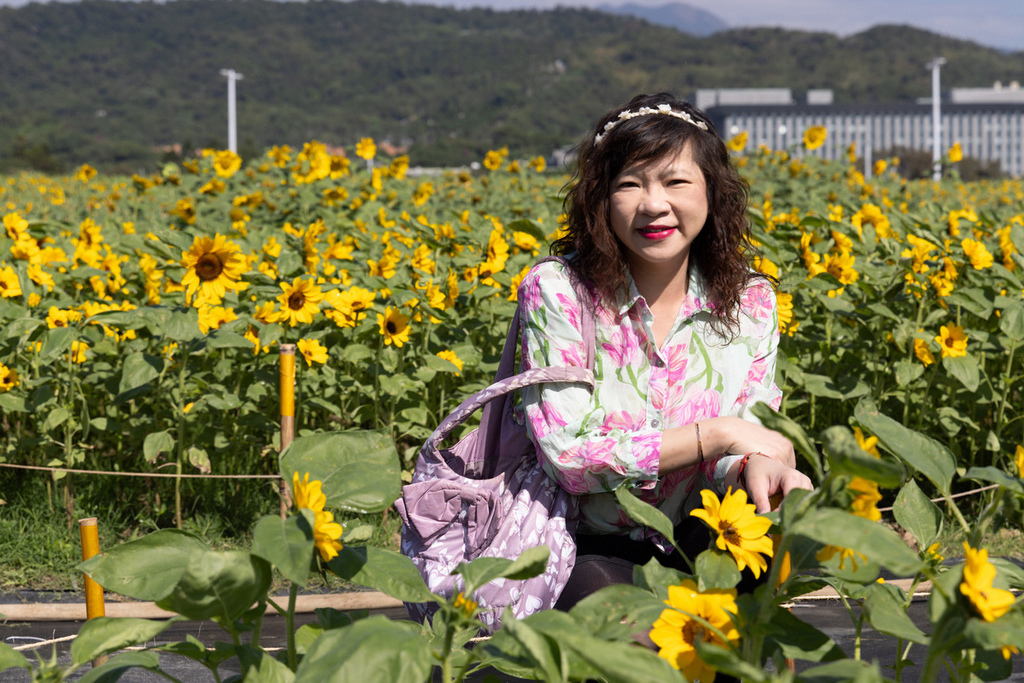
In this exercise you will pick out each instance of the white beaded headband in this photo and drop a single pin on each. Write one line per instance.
(644, 111)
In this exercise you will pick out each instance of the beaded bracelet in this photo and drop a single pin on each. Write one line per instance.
(740, 478)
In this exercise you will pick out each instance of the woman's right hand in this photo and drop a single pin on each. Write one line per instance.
(736, 435)
(764, 478)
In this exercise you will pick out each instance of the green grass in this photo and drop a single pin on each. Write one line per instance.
(39, 549)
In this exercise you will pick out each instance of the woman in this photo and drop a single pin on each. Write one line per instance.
(686, 340)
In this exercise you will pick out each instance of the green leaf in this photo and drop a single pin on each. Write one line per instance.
(792, 431)
(544, 651)
(924, 454)
(820, 385)
(21, 327)
(374, 650)
(1012, 322)
(716, 569)
(730, 662)
(12, 404)
(972, 299)
(225, 339)
(843, 671)
(11, 658)
(617, 611)
(218, 584)
(138, 370)
(995, 475)
(529, 227)
(799, 640)
(56, 342)
(656, 577)
(103, 635)
(358, 534)
(965, 369)
(285, 543)
(907, 371)
(483, 570)
(383, 570)
(917, 514)
(615, 661)
(875, 541)
(56, 418)
(198, 458)
(156, 443)
(147, 568)
(359, 469)
(645, 513)
(118, 666)
(260, 667)
(182, 326)
(847, 457)
(887, 615)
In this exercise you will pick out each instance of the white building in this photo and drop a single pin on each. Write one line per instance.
(986, 130)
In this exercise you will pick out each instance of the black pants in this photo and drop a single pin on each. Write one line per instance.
(608, 560)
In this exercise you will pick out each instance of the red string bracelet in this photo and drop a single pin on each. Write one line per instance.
(740, 478)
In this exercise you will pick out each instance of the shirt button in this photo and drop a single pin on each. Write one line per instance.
(656, 423)
(658, 362)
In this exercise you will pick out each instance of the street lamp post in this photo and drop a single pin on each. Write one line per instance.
(232, 76)
(935, 65)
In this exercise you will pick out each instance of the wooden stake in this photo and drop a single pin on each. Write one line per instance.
(287, 371)
(94, 607)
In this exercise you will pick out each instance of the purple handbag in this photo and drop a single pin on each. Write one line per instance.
(487, 495)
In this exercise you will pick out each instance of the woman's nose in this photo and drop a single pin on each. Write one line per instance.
(653, 201)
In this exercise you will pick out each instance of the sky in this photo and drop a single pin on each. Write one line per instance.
(995, 23)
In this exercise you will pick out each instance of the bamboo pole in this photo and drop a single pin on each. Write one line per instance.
(287, 391)
(94, 607)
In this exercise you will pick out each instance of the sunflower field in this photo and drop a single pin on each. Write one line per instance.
(140, 322)
(140, 316)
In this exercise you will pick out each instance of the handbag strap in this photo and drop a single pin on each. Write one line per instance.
(507, 382)
(506, 368)
(502, 387)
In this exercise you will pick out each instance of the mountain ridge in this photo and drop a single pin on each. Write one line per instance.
(108, 83)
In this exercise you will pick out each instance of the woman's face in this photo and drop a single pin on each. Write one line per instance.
(657, 210)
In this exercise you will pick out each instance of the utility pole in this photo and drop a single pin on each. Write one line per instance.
(935, 65)
(232, 76)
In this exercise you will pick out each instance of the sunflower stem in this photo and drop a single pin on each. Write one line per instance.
(289, 617)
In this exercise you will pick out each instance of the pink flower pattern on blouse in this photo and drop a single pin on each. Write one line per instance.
(593, 443)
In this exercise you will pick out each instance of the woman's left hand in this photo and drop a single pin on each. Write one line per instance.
(765, 477)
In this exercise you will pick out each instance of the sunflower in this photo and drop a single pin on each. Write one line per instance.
(78, 349)
(990, 603)
(394, 326)
(676, 631)
(366, 149)
(300, 301)
(212, 317)
(952, 341)
(226, 163)
(10, 285)
(814, 137)
(738, 142)
(8, 378)
(313, 351)
(214, 266)
(741, 532)
(326, 531)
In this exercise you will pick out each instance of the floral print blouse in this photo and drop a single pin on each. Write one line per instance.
(593, 443)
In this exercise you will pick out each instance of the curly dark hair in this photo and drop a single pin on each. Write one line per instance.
(722, 252)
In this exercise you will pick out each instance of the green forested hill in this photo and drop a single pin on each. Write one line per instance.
(107, 82)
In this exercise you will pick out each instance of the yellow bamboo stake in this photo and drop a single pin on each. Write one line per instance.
(89, 531)
(287, 391)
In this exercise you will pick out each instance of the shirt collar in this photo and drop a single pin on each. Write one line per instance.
(696, 296)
